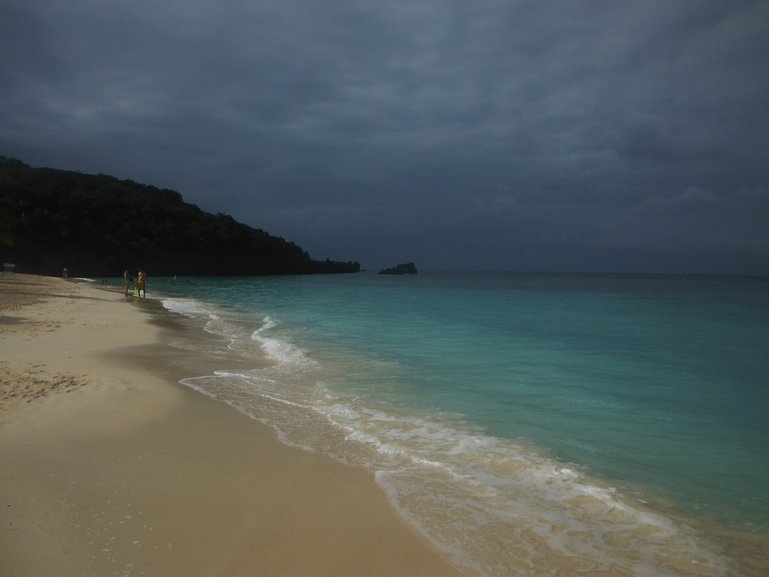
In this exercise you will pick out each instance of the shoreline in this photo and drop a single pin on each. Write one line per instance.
(623, 531)
(112, 467)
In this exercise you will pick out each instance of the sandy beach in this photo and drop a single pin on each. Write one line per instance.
(109, 467)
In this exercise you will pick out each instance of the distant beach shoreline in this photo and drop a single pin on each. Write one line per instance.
(110, 466)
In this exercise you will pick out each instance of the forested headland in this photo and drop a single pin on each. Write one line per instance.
(98, 225)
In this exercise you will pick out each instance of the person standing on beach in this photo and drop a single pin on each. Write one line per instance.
(127, 280)
(141, 284)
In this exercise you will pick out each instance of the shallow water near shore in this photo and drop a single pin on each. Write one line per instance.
(523, 423)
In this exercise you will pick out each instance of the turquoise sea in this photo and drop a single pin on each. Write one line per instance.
(523, 423)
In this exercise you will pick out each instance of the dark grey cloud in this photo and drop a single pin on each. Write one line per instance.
(588, 135)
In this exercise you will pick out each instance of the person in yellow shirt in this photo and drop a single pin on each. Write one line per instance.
(141, 284)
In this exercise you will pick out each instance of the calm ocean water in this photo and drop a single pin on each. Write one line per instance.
(523, 423)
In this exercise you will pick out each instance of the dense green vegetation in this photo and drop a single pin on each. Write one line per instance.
(97, 225)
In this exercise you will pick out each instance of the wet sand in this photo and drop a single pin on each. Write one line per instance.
(109, 467)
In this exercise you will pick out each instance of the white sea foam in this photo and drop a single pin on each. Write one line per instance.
(267, 324)
(189, 308)
(279, 350)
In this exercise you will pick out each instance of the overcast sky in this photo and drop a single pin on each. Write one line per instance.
(584, 135)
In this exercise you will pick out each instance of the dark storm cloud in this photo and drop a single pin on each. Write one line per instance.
(495, 134)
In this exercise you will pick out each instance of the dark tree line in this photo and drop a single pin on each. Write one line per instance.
(98, 225)
(404, 268)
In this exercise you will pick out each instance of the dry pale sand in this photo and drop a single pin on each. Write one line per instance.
(108, 467)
